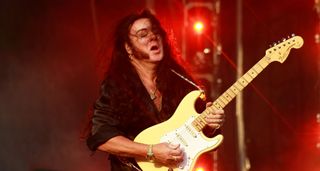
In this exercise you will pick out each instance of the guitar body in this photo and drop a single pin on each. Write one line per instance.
(179, 130)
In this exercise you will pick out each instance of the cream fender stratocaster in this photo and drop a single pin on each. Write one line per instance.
(185, 126)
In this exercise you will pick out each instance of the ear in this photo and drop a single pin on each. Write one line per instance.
(128, 48)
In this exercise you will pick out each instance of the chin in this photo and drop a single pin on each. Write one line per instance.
(156, 58)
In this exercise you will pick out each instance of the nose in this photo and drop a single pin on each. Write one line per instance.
(153, 35)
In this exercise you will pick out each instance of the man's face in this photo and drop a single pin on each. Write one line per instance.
(145, 40)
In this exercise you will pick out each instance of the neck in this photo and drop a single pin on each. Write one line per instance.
(146, 70)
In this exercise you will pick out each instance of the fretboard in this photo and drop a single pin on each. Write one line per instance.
(199, 123)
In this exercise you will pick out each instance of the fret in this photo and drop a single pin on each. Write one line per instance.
(231, 93)
(248, 77)
(221, 102)
(225, 102)
(243, 81)
(205, 112)
(238, 86)
(257, 68)
(208, 110)
(227, 96)
(217, 105)
(202, 120)
(213, 107)
(263, 62)
(196, 125)
(253, 73)
(234, 89)
(201, 123)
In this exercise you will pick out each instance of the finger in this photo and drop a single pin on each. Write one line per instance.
(177, 158)
(215, 126)
(216, 115)
(209, 104)
(212, 111)
(217, 112)
(176, 152)
(215, 119)
(211, 116)
(218, 126)
(174, 146)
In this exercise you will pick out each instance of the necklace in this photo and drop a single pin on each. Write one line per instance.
(156, 97)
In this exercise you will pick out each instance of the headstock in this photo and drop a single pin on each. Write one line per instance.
(279, 52)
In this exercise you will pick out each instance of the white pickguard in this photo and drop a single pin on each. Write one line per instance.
(191, 142)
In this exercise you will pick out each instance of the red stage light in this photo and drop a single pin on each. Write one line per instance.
(200, 169)
(198, 27)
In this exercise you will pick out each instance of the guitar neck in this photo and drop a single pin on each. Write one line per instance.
(199, 123)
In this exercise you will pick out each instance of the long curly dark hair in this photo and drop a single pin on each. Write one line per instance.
(120, 62)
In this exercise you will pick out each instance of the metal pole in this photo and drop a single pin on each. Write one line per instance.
(216, 64)
(183, 31)
(243, 161)
(95, 21)
(317, 86)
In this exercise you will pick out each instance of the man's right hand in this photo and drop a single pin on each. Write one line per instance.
(168, 154)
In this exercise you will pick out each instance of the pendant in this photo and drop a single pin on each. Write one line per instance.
(153, 96)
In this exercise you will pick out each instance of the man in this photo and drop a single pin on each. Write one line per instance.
(140, 90)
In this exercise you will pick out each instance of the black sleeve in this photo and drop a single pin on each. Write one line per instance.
(105, 121)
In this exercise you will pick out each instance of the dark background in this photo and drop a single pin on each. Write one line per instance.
(51, 66)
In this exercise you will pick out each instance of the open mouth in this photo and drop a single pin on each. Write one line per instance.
(154, 48)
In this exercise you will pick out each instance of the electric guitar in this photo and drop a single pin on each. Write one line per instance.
(185, 126)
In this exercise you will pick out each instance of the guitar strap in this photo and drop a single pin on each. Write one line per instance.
(186, 79)
(128, 163)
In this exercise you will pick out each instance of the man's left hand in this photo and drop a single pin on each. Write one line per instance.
(215, 118)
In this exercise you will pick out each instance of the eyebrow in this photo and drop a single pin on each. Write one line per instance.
(143, 29)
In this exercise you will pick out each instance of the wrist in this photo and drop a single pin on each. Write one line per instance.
(150, 154)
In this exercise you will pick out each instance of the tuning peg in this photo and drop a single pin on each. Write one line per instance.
(274, 44)
(292, 35)
(284, 39)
